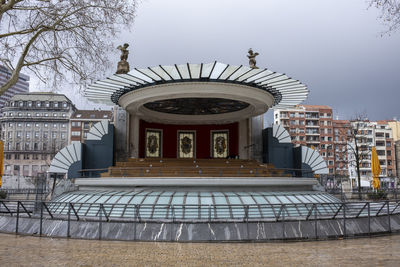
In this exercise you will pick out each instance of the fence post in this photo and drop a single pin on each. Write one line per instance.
(344, 220)
(369, 219)
(283, 222)
(246, 213)
(315, 220)
(100, 221)
(41, 219)
(209, 220)
(17, 221)
(69, 220)
(135, 217)
(388, 213)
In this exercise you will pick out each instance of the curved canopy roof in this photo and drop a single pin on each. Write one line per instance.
(285, 90)
(156, 204)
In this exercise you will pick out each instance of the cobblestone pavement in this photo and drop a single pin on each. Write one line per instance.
(35, 251)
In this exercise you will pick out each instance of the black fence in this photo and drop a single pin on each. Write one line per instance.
(97, 212)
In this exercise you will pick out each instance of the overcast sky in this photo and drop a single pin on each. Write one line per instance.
(333, 46)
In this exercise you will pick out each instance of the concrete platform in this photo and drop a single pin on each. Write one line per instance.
(282, 183)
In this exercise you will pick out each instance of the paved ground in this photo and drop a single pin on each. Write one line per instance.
(35, 251)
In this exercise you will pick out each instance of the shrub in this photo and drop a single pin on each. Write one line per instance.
(3, 194)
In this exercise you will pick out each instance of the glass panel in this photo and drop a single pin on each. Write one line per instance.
(206, 201)
(221, 206)
(177, 201)
(192, 211)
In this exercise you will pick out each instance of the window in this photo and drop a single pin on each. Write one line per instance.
(35, 156)
(21, 104)
(9, 134)
(16, 170)
(92, 116)
(54, 135)
(27, 124)
(19, 114)
(55, 125)
(86, 125)
(38, 104)
(44, 157)
(43, 168)
(76, 133)
(25, 169)
(10, 124)
(29, 114)
(35, 170)
(16, 156)
(63, 125)
(44, 146)
(36, 134)
(26, 156)
(47, 104)
(56, 104)
(78, 115)
(28, 135)
(45, 135)
(19, 133)
(10, 114)
(46, 125)
(37, 124)
(54, 114)
(27, 146)
(65, 104)
(46, 114)
(35, 146)
(19, 124)
(29, 103)
(64, 115)
(63, 135)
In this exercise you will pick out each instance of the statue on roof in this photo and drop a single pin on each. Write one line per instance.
(252, 59)
(123, 65)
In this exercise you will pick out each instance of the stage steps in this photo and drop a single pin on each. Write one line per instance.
(168, 167)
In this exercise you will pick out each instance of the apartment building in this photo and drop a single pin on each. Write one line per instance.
(312, 126)
(22, 85)
(82, 120)
(35, 127)
(380, 135)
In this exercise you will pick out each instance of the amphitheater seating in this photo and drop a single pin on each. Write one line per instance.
(170, 167)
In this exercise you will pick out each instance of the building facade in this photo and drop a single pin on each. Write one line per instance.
(35, 126)
(370, 134)
(22, 85)
(82, 120)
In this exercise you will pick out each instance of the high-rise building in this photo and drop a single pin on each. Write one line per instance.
(35, 127)
(22, 85)
(82, 120)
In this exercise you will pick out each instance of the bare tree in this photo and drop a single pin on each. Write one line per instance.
(357, 151)
(59, 39)
(390, 13)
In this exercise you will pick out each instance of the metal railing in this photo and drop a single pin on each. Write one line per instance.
(198, 171)
(129, 213)
(25, 191)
